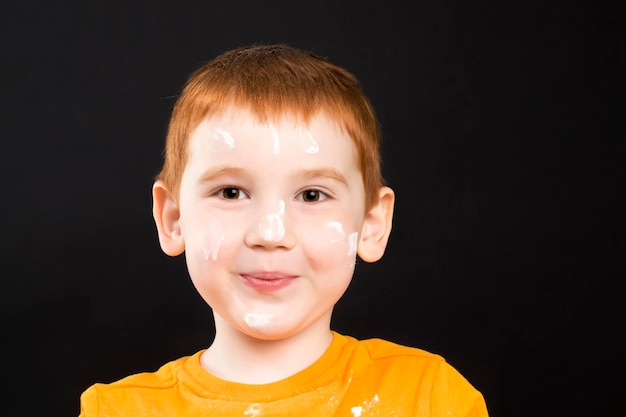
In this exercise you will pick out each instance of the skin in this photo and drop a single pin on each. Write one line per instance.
(271, 218)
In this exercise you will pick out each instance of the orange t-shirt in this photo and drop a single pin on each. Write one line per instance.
(352, 378)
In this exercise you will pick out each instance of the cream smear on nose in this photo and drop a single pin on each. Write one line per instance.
(272, 227)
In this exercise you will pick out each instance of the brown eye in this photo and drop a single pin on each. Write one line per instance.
(311, 195)
(231, 193)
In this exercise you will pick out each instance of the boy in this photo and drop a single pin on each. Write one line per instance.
(271, 187)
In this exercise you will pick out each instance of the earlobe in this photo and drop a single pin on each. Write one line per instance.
(166, 216)
(377, 227)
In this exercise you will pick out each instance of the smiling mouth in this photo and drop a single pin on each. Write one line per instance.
(268, 282)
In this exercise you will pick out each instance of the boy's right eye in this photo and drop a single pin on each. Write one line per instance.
(232, 193)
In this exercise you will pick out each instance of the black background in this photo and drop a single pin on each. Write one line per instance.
(504, 141)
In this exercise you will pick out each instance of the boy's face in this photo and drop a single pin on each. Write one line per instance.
(270, 217)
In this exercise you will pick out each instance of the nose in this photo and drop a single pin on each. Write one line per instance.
(268, 228)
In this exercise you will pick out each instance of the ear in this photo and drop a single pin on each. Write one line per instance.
(377, 227)
(166, 216)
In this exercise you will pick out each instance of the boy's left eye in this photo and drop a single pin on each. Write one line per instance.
(232, 193)
(312, 195)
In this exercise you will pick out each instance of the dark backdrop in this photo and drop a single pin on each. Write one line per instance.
(503, 140)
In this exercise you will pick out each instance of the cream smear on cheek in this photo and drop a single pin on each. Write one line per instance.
(339, 236)
(209, 241)
(211, 245)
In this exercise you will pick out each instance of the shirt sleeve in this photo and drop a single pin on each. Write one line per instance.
(454, 396)
(89, 403)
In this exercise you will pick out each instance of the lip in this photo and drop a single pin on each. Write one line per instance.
(267, 281)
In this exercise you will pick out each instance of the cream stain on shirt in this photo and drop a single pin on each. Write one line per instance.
(253, 411)
(357, 411)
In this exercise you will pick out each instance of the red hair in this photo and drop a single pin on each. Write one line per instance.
(272, 81)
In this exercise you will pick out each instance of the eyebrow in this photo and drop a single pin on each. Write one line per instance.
(216, 172)
(213, 173)
(326, 173)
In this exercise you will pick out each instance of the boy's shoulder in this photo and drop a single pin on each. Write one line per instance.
(382, 348)
(163, 377)
(382, 351)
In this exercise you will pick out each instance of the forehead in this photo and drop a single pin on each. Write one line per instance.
(236, 131)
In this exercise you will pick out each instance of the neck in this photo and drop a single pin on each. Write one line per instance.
(239, 357)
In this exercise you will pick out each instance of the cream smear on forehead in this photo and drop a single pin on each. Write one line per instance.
(220, 140)
(309, 143)
(275, 138)
(302, 138)
(272, 227)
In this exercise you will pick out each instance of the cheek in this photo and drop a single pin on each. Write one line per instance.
(334, 244)
(205, 245)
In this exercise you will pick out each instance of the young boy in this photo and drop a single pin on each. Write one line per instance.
(271, 187)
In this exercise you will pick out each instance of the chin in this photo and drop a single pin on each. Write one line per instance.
(268, 331)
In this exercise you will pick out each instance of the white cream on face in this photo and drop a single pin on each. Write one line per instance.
(210, 244)
(219, 139)
(303, 138)
(272, 227)
(272, 166)
(352, 243)
(275, 139)
(309, 143)
(350, 240)
(211, 247)
(257, 320)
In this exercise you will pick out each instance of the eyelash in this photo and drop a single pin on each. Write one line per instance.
(319, 194)
(240, 193)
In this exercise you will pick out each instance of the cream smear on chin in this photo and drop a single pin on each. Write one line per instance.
(257, 320)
